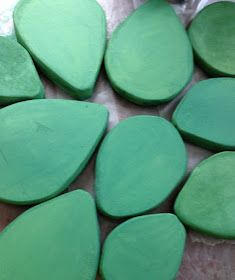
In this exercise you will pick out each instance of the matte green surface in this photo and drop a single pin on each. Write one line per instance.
(212, 34)
(44, 145)
(139, 163)
(56, 240)
(149, 57)
(66, 38)
(206, 115)
(148, 247)
(207, 201)
(18, 77)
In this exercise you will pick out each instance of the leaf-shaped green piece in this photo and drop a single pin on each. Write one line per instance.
(212, 34)
(19, 79)
(207, 201)
(206, 115)
(44, 145)
(147, 247)
(149, 57)
(139, 163)
(65, 38)
(56, 240)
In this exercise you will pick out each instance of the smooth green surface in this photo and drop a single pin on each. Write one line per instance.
(56, 240)
(44, 145)
(206, 115)
(148, 247)
(65, 38)
(18, 77)
(207, 201)
(149, 57)
(139, 163)
(212, 34)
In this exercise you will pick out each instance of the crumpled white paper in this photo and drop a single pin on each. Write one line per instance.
(205, 258)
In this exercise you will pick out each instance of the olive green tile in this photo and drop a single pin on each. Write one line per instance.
(206, 115)
(19, 79)
(44, 145)
(139, 164)
(212, 33)
(148, 247)
(207, 201)
(56, 240)
(149, 56)
(66, 39)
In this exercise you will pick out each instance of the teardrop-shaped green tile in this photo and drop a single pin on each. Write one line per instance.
(55, 240)
(212, 34)
(138, 165)
(66, 39)
(19, 79)
(148, 247)
(149, 57)
(206, 115)
(207, 201)
(44, 145)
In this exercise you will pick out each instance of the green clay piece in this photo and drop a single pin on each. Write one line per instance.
(66, 39)
(206, 115)
(44, 145)
(212, 34)
(55, 240)
(149, 57)
(147, 247)
(207, 201)
(19, 79)
(139, 164)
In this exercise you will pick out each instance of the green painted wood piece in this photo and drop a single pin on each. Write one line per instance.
(147, 247)
(44, 145)
(206, 115)
(19, 79)
(212, 34)
(66, 39)
(138, 165)
(207, 201)
(149, 57)
(56, 240)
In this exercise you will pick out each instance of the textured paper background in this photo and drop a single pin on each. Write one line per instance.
(205, 258)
